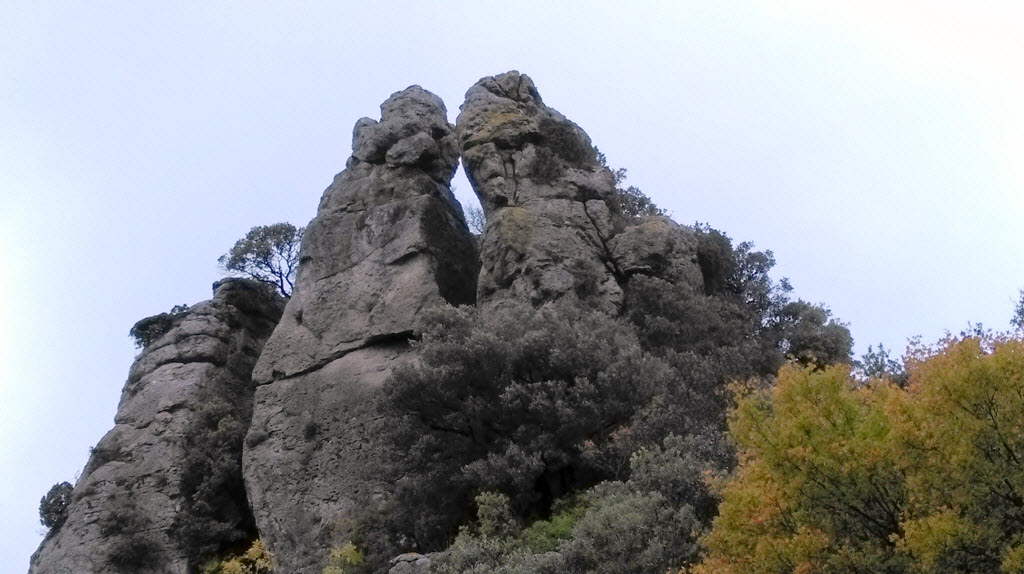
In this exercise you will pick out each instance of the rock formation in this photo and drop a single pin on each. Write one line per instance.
(554, 225)
(388, 241)
(130, 510)
(544, 194)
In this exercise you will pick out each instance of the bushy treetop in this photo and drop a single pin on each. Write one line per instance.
(268, 253)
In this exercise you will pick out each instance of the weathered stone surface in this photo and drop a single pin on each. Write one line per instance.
(554, 229)
(388, 241)
(137, 467)
(546, 198)
(410, 563)
(659, 247)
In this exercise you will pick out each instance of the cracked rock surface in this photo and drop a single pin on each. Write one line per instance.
(546, 198)
(388, 241)
(554, 227)
(207, 354)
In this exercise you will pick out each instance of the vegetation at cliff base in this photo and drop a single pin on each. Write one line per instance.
(562, 439)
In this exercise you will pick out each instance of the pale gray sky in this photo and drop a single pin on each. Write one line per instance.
(875, 146)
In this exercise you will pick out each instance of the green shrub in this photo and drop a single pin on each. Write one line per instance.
(148, 330)
(503, 401)
(53, 508)
(545, 167)
(215, 511)
(128, 533)
(568, 141)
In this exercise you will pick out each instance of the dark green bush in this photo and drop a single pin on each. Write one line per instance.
(53, 508)
(504, 401)
(568, 141)
(148, 330)
(215, 511)
(545, 167)
(128, 533)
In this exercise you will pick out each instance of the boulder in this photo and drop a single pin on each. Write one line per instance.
(388, 241)
(129, 509)
(410, 563)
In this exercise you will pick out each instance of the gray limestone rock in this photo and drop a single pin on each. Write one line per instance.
(547, 200)
(388, 241)
(657, 246)
(554, 229)
(410, 563)
(129, 506)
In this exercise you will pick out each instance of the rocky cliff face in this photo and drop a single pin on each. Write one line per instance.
(554, 225)
(131, 509)
(388, 241)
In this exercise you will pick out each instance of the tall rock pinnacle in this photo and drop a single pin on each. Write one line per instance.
(134, 508)
(546, 198)
(554, 224)
(388, 241)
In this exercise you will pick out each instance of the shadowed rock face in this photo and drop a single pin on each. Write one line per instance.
(127, 506)
(388, 241)
(553, 228)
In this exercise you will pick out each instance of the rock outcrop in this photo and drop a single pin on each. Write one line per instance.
(555, 228)
(131, 509)
(411, 563)
(545, 196)
(388, 241)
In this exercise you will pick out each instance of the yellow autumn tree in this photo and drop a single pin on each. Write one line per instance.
(960, 433)
(817, 488)
(840, 476)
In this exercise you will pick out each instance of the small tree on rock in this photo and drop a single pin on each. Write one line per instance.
(53, 508)
(268, 253)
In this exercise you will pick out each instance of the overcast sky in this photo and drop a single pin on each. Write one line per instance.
(876, 147)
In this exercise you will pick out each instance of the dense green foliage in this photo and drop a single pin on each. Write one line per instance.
(128, 531)
(53, 508)
(268, 253)
(591, 435)
(839, 476)
(148, 330)
(215, 511)
(504, 400)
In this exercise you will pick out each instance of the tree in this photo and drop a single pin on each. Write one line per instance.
(475, 219)
(53, 508)
(959, 430)
(148, 330)
(879, 364)
(817, 488)
(1018, 313)
(630, 202)
(268, 253)
(840, 476)
(504, 400)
